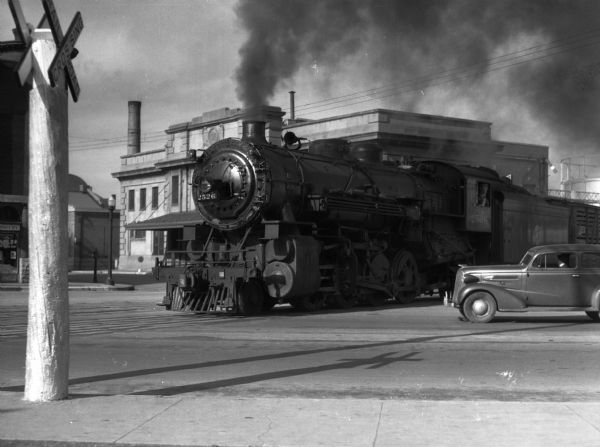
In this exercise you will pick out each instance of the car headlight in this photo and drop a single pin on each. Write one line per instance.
(470, 279)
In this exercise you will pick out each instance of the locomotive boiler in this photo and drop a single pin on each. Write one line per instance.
(332, 225)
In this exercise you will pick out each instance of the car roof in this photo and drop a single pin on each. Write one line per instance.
(564, 247)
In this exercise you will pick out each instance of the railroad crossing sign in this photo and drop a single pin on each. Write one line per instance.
(22, 26)
(23, 31)
(62, 60)
(65, 45)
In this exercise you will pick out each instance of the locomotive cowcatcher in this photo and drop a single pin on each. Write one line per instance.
(334, 225)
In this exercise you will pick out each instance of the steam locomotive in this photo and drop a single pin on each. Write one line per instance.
(335, 225)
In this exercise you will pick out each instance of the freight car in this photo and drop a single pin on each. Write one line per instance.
(334, 225)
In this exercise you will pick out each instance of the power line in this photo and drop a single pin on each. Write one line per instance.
(89, 144)
(483, 63)
(504, 61)
(500, 62)
(432, 83)
(117, 139)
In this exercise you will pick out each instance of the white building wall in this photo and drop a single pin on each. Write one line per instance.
(136, 247)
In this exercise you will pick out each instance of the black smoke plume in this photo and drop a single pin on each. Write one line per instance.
(409, 39)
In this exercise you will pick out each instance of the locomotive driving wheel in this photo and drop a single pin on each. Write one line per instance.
(405, 277)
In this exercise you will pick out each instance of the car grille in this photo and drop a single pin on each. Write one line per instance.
(458, 284)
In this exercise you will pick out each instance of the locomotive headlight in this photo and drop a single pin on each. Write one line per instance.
(205, 186)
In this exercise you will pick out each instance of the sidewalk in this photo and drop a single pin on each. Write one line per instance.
(213, 420)
(84, 281)
(72, 286)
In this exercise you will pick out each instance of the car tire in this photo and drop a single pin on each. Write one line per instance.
(594, 315)
(479, 307)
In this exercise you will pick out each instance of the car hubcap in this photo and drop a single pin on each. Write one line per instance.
(480, 307)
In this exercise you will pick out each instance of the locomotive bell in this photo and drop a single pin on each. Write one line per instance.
(291, 141)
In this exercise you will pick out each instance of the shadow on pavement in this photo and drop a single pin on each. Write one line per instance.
(376, 362)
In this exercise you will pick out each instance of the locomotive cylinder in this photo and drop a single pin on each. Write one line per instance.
(292, 268)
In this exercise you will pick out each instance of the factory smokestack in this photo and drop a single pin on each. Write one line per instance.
(133, 128)
(292, 105)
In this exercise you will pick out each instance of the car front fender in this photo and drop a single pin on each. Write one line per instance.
(595, 301)
(506, 299)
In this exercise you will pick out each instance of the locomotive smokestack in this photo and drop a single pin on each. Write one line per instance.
(292, 105)
(254, 131)
(133, 127)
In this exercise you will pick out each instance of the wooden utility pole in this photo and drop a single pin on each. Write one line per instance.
(47, 362)
(46, 67)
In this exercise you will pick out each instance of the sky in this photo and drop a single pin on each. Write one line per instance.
(531, 68)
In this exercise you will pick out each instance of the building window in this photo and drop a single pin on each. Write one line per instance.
(155, 197)
(131, 201)
(158, 243)
(175, 190)
(143, 199)
(138, 234)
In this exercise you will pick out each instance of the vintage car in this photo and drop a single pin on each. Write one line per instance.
(548, 278)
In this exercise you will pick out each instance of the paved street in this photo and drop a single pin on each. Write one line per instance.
(122, 343)
(393, 375)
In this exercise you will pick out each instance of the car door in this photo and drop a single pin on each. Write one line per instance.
(553, 280)
(589, 271)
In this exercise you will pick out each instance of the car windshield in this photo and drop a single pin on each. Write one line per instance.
(526, 259)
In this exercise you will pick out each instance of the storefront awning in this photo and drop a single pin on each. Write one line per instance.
(168, 221)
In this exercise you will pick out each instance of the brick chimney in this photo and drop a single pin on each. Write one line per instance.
(133, 128)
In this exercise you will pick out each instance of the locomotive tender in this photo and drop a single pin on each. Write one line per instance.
(335, 225)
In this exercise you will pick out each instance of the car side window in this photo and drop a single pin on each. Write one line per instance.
(590, 260)
(555, 260)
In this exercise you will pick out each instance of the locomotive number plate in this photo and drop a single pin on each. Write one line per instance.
(207, 196)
